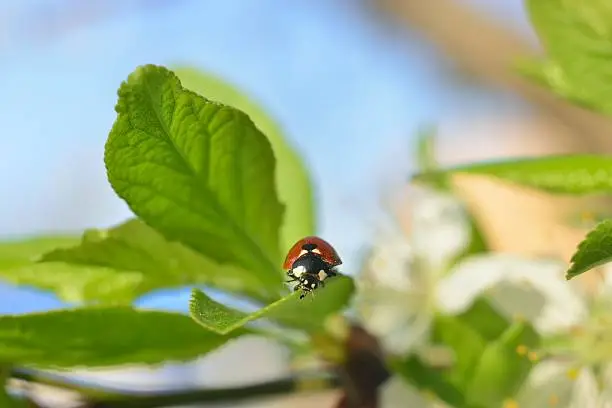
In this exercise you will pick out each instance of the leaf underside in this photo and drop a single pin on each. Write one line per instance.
(308, 313)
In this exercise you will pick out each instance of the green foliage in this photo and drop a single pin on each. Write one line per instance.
(308, 314)
(14, 254)
(135, 249)
(197, 171)
(104, 336)
(79, 284)
(430, 173)
(566, 174)
(71, 283)
(430, 380)
(293, 182)
(577, 36)
(501, 370)
(486, 367)
(594, 250)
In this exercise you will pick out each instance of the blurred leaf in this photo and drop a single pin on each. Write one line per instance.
(594, 250)
(430, 380)
(577, 36)
(71, 283)
(199, 172)
(79, 284)
(484, 319)
(308, 313)
(293, 182)
(429, 172)
(99, 337)
(502, 369)
(8, 401)
(134, 246)
(486, 368)
(466, 343)
(25, 252)
(427, 162)
(567, 174)
(468, 335)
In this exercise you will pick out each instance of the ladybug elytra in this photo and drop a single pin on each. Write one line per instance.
(309, 262)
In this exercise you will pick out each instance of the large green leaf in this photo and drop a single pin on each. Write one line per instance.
(594, 250)
(79, 283)
(71, 283)
(198, 171)
(134, 246)
(501, 370)
(577, 37)
(308, 313)
(105, 336)
(293, 182)
(567, 174)
(27, 251)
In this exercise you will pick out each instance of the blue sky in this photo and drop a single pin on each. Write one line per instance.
(348, 91)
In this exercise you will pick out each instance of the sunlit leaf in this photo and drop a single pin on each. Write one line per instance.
(577, 37)
(105, 336)
(502, 367)
(567, 174)
(293, 182)
(594, 250)
(78, 283)
(308, 313)
(27, 251)
(198, 171)
(71, 283)
(134, 246)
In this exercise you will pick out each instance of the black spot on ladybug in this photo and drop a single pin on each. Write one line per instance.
(309, 246)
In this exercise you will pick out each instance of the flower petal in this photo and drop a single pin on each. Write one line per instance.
(539, 294)
(548, 385)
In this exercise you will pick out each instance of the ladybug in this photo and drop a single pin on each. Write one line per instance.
(309, 262)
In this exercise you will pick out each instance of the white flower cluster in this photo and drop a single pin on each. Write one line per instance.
(409, 277)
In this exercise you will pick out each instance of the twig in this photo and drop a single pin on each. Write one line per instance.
(103, 397)
(174, 398)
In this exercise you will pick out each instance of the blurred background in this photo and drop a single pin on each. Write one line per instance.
(350, 81)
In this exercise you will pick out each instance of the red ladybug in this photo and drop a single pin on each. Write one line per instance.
(310, 261)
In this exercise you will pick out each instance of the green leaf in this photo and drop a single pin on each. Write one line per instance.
(27, 251)
(594, 250)
(198, 171)
(577, 37)
(293, 182)
(71, 283)
(427, 162)
(430, 172)
(502, 370)
(485, 320)
(566, 174)
(479, 338)
(100, 337)
(466, 343)
(133, 246)
(79, 284)
(430, 380)
(468, 335)
(308, 313)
